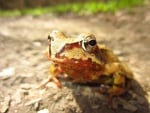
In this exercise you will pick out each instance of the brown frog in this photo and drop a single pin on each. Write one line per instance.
(84, 61)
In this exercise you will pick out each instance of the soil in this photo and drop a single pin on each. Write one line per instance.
(24, 66)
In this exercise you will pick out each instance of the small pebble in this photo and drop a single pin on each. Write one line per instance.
(69, 97)
(100, 96)
(25, 86)
(118, 52)
(140, 100)
(148, 96)
(4, 106)
(33, 101)
(95, 106)
(126, 105)
(43, 111)
(86, 91)
(37, 43)
(7, 72)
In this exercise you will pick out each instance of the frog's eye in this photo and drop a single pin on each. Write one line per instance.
(89, 44)
(92, 42)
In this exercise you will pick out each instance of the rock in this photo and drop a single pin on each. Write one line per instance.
(43, 111)
(36, 105)
(4, 106)
(69, 97)
(7, 72)
(118, 52)
(140, 100)
(148, 96)
(27, 86)
(86, 91)
(95, 106)
(101, 96)
(126, 105)
(33, 101)
(37, 43)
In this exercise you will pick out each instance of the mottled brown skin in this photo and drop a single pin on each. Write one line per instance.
(84, 61)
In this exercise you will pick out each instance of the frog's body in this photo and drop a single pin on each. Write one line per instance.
(85, 61)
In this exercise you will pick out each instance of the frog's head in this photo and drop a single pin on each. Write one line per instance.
(56, 42)
(84, 47)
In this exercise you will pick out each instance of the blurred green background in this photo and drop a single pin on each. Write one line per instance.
(39, 7)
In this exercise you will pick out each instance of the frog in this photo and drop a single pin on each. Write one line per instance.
(83, 60)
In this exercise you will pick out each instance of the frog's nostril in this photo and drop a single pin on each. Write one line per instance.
(50, 38)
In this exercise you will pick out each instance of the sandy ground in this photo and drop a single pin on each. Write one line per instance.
(23, 65)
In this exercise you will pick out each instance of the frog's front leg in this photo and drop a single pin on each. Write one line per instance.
(54, 72)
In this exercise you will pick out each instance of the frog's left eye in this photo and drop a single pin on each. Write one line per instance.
(89, 43)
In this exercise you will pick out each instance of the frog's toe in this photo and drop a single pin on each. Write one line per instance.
(51, 79)
(57, 82)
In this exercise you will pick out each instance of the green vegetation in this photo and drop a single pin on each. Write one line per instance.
(90, 7)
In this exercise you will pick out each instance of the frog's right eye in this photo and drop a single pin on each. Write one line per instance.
(89, 43)
(92, 42)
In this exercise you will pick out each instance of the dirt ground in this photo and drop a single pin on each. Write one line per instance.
(23, 65)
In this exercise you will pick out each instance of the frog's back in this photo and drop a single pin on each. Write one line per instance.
(107, 56)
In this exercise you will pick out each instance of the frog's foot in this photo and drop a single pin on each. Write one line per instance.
(51, 79)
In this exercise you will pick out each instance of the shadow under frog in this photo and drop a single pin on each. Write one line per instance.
(89, 101)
